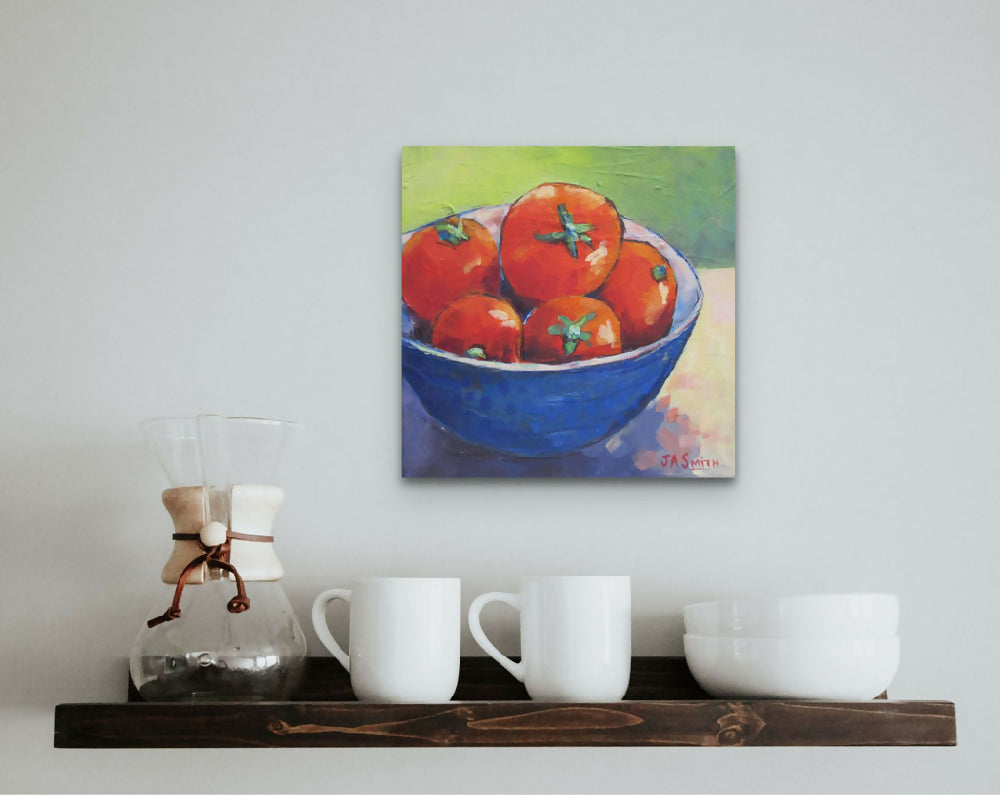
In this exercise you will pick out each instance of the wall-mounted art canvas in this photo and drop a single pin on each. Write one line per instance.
(568, 312)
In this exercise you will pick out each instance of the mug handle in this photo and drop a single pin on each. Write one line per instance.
(319, 623)
(516, 669)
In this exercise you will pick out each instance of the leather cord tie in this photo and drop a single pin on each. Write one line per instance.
(216, 557)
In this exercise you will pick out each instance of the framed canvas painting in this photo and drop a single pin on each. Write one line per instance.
(568, 312)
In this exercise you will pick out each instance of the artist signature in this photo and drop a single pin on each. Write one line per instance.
(671, 461)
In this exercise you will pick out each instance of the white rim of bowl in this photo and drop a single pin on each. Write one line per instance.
(758, 600)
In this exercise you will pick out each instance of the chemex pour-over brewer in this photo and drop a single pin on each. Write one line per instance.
(223, 629)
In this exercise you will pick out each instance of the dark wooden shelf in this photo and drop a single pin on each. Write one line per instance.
(663, 707)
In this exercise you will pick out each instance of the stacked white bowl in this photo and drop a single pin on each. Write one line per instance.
(833, 646)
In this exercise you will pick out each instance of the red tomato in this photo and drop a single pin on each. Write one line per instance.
(571, 328)
(446, 260)
(559, 239)
(642, 290)
(481, 327)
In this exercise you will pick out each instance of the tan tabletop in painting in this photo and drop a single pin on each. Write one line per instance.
(698, 400)
(688, 431)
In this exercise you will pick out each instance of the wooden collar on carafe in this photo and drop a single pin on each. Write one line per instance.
(215, 556)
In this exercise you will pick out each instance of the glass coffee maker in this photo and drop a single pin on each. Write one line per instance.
(223, 628)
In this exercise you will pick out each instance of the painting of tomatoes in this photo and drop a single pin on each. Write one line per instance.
(445, 260)
(479, 326)
(571, 329)
(642, 291)
(552, 325)
(559, 240)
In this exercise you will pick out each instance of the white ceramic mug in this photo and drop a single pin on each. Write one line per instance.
(576, 636)
(405, 636)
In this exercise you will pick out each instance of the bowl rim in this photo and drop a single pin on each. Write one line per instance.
(805, 598)
(882, 643)
(526, 367)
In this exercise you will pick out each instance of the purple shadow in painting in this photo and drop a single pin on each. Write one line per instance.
(658, 443)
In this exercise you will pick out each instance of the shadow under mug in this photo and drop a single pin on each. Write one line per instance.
(576, 636)
(405, 637)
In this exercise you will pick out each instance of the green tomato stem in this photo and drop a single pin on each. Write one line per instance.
(571, 233)
(571, 331)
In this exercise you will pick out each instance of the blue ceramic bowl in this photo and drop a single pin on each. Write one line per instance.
(539, 410)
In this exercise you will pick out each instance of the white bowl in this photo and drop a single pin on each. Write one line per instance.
(840, 668)
(847, 615)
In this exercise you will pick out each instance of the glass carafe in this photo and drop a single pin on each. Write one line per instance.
(222, 628)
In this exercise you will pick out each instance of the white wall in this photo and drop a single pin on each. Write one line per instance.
(198, 211)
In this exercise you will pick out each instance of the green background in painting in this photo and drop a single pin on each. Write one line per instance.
(684, 193)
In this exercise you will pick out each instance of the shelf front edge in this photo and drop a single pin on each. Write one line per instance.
(771, 722)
